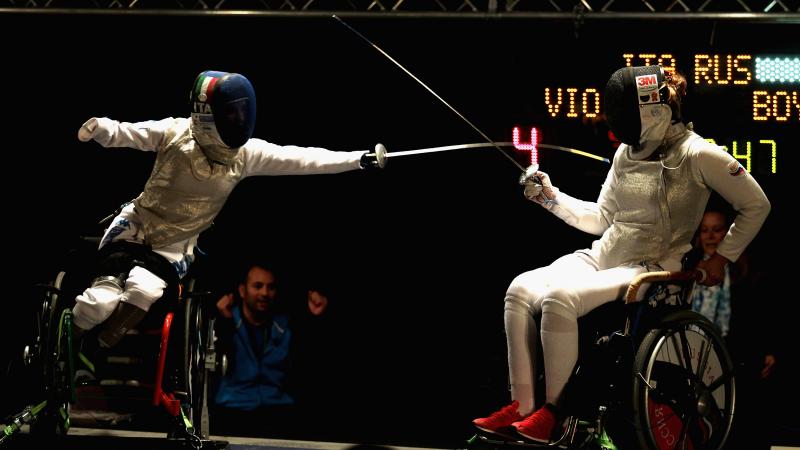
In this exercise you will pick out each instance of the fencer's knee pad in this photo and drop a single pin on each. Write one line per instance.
(516, 304)
(97, 302)
(562, 302)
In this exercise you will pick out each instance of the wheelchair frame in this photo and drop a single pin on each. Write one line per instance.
(681, 379)
(185, 357)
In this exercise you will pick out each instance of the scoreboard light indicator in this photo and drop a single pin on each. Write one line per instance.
(778, 70)
(774, 147)
(586, 101)
(571, 94)
(777, 106)
(530, 147)
(722, 69)
(747, 154)
(553, 107)
(666, 60)
(589, 98)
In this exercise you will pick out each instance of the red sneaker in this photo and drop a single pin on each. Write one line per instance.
(499, 419)
(538, 426)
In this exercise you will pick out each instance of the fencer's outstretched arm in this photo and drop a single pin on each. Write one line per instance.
(591, 217)
(264, 158)
(150, 135)
(260, 157)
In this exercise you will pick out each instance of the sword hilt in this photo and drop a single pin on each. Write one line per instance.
(379, 155)
(529, 176)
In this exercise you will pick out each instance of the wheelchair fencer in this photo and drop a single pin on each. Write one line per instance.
(163, 362)
(665, 380)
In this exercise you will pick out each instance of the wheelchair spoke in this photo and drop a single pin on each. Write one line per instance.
(705, 350)
(683, 441)
(682, 345)
(721, 381)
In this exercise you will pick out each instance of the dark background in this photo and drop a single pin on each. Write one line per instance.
(419, 254)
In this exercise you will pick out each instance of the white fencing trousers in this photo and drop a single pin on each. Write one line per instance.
(96, 303)
(562, 292)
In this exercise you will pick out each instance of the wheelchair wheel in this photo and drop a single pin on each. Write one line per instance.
(684, 387)
(53, 346)
(194, 373)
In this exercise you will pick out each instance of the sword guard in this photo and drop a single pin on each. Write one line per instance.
(376, 159)
(380, 155)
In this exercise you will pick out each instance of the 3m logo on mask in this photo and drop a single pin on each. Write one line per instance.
(647, 89)
(201, 108)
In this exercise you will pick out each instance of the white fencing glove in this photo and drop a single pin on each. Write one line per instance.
(538, 187)
(98, 128)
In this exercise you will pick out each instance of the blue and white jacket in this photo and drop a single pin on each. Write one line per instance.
(258, 378)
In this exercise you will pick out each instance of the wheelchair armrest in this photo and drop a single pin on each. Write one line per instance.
(683, 279)
(686, 276)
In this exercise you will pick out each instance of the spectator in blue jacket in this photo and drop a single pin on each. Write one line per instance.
(256, 333)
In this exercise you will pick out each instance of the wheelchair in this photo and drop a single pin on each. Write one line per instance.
(162, 364)
(665, 380)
